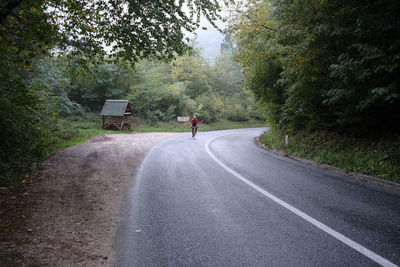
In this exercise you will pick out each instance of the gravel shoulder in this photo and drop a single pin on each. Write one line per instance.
(79, 198)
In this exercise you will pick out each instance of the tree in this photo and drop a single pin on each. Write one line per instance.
(227, 45)
(129, 28)
(226, 74)
(192, 71)
(154, 95)
(104, 81)
(51, 75)
(259, 56)
(322, 64)
(209, 107)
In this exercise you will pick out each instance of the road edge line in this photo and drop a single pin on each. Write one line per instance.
(366, 252)
(354, 175)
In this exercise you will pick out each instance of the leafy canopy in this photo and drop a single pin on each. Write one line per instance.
(131, 29)
(322, 64)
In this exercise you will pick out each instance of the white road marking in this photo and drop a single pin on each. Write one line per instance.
(366, 252)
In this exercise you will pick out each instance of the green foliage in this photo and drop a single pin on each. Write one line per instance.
(162, 91)
(33, 95)
(322, 64)
(192, 71)
(236, 108)
(27, 123)
(25, 30)
(132, 29)
(371, 156)
(208, 108)
(154, 94)
(26, 115)
(262, 70)
(41, 94)
(226, 75)
(50, 75)
(73, 130)
(101, 82)
(237, 114)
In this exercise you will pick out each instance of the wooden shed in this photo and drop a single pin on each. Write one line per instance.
(117, 114)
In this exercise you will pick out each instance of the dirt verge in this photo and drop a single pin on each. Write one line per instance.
(78, 200)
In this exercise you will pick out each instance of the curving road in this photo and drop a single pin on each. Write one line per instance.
(220, 200)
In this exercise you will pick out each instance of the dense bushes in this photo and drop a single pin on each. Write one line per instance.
(25, 122)
(26, 131)
(237, 115)
(323, 64)
(162, 91)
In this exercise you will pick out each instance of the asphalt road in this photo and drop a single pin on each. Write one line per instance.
(220, 200)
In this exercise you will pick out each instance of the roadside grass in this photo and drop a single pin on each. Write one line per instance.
(78, 129)
(226, 125)
(82, 136)
(373, 156)
(75, 130)
(184, 127)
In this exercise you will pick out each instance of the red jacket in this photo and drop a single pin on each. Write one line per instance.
(194, 121)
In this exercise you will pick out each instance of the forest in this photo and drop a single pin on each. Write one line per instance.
(326, 73)
(158, 90)
(57, 70)
(323, 64)
(306, 67)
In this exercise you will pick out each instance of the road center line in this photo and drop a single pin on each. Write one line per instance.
(366, 252)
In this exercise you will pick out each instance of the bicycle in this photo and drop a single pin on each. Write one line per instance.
(194, 131)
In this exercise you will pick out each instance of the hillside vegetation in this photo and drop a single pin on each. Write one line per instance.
(326, 73)
(323, 64)
(376, 156)
(56, 73)
(311, 67)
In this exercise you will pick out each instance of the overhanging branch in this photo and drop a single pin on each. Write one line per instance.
(8, 9)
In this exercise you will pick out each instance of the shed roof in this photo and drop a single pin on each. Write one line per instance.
(114, 107)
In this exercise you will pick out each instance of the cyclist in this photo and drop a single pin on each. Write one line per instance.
(194, 123)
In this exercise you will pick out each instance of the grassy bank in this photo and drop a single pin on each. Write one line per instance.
(76, 130)
(184, 127)
(373, 156)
